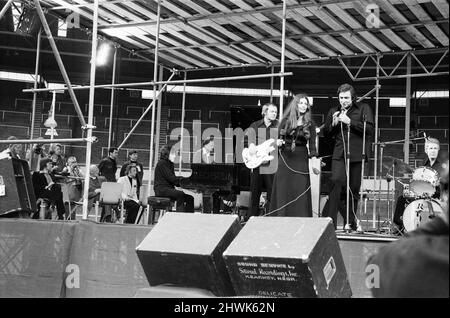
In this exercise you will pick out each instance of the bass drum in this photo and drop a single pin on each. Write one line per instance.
(420, 212)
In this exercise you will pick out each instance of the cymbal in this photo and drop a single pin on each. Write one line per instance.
(400, 166)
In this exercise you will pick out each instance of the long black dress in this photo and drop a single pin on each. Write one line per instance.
(290, 193)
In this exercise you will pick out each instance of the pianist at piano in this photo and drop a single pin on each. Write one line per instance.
(166, 181)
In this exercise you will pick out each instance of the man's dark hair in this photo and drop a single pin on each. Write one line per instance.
(345, 88)
(128, 168)
(207, 141)
(43, 163)
(165, 152)
(111, 150)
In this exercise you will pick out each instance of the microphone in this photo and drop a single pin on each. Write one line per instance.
(425, 135)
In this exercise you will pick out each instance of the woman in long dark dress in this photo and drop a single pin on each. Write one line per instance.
(291, 194)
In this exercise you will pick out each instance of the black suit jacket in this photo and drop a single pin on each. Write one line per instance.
(356, 113)
(39, 184)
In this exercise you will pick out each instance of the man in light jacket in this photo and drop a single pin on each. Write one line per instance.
(130, 193)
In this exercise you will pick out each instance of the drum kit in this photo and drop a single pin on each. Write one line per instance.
(418, 193)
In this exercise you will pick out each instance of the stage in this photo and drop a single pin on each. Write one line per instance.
(76, 259)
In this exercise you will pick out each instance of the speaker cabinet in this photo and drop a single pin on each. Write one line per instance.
(19, 193)
(185, 249)
(287, 257)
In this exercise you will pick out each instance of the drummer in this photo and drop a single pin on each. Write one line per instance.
(432, 147)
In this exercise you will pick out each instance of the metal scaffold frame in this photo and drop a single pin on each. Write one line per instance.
(352, 35)
(88, 127)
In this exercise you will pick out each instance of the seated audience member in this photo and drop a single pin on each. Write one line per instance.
(416, 265)
(95, 184)
(130, 193)
(133, 159)
(46, 188)
(35, 154)
(73, 178)
(13, 150)
(58, 159)
(166, 181)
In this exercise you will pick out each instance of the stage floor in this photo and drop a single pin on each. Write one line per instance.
(36, 258)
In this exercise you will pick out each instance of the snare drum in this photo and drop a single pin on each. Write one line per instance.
(420, 212)
(424, 182)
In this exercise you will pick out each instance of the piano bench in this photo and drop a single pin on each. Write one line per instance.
(160, 204)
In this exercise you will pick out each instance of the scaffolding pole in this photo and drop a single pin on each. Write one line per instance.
(91, 110)
(49, 141)
(272, 69)
(5, 8)
(145, 113)
(183, 110)
(283, 47)
(158, 115)
(200, 80)
(407, 110)
(377, 95)
(155, 79)
(36, 74)
(59, 61)
(113, 81)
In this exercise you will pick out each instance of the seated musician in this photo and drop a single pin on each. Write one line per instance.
(223, 200)
(166, 181)
(417, 265)
(432, 147)
(45, 187)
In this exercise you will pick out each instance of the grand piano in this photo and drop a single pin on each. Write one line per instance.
(209, 178)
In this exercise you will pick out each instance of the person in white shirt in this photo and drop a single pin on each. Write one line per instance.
(13, 150)
(130, 193)
(206, 153)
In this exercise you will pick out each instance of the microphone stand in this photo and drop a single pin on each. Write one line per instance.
(347, 227)
(359, 228)
(378, 196)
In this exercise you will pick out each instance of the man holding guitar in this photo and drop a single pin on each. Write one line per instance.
(261, 177)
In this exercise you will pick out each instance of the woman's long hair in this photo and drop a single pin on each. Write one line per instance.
(292, 114)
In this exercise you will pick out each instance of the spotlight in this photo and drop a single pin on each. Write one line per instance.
(103, 53)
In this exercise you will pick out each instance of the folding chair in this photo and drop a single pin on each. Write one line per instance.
(143, 210)
(111, 194)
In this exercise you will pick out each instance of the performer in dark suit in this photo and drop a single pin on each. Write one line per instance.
(165, 181)
(351, 115)
(46, 188)
(261, 178)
